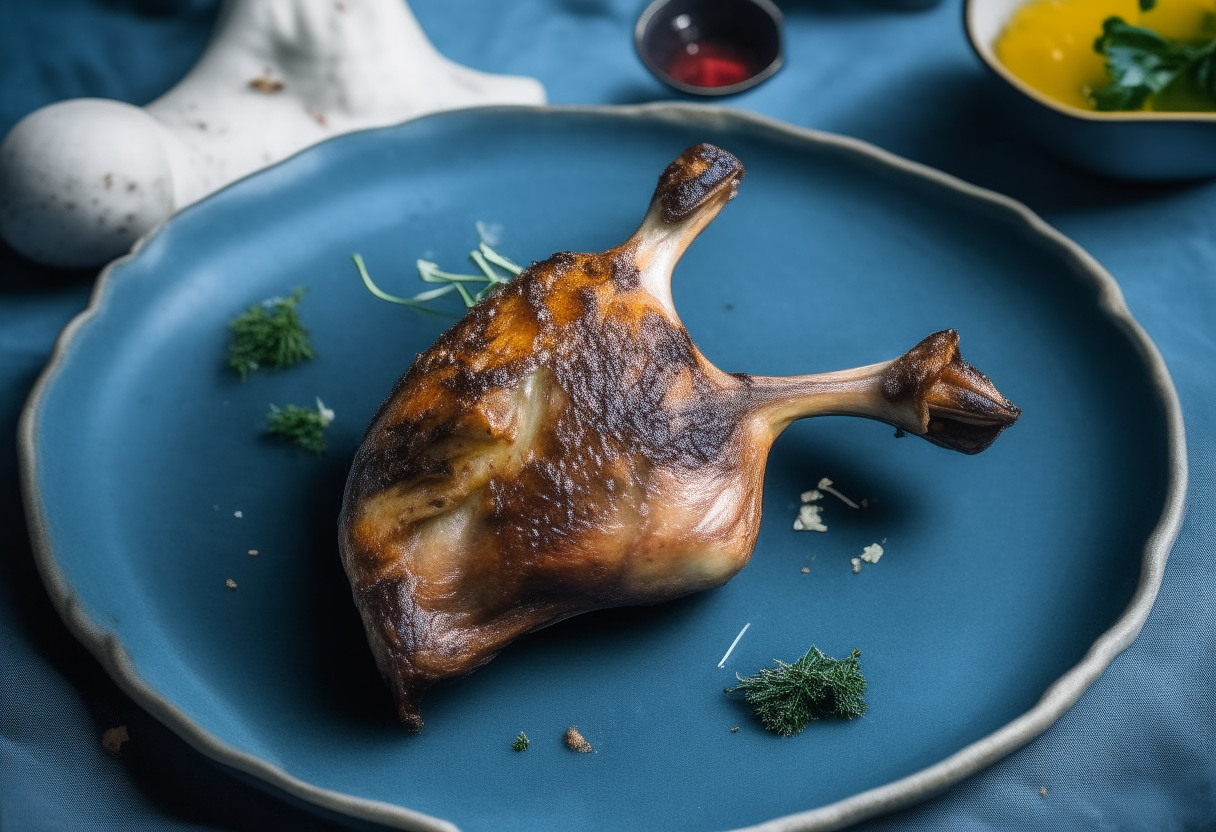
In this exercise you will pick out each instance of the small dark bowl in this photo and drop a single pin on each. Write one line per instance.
(710, 47)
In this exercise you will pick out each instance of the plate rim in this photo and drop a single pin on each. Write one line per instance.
(108, 649)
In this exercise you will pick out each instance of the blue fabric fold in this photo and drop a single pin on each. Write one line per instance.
(1138, 751)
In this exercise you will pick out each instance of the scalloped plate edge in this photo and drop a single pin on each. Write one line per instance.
(927, 782)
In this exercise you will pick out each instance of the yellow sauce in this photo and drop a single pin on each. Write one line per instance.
(1049, 44)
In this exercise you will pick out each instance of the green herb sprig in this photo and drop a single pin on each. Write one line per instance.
(269, 335)
(521, 742)
(788, 697)
(1142, 63)
(489, 278)
(302, 426)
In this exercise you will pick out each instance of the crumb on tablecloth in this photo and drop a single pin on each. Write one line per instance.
(113, 739)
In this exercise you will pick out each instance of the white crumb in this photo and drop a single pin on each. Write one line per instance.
(810, 496)
(808, 519)
(327, 415)
(238, 514)
(489, 233)
(872, 553)
(856, 565)
(231, 584)
(825, 484)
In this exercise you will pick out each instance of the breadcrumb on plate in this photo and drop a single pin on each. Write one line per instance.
(575, 741)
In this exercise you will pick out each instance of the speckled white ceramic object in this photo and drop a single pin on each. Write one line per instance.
(81, 180)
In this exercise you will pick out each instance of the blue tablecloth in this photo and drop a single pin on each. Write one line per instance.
(1139, 749)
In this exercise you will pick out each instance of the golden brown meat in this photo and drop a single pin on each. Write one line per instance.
(565, 447)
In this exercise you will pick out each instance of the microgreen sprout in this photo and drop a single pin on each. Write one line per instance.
(788, 697)
(521, 742)
(470, 287)
(303, 426)
(269, 335)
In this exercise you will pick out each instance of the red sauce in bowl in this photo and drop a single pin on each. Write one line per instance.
(709, 64)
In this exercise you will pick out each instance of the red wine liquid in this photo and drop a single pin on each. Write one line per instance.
(709, 64)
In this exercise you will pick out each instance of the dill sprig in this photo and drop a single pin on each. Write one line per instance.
(269, 335)
(788, 697)
(521, 742)
(302, 426)
(470, 287)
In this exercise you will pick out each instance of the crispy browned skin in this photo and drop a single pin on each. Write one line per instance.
(565, 447)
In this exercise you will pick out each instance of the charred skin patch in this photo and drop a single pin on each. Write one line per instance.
(692, 177)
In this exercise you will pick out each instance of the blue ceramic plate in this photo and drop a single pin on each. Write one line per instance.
(1010, 580)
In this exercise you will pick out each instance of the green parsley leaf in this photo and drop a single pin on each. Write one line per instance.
(521, 742)
(302, 426)
(1148, 5)
(1142, 63)
(269, 335)
(788, 697)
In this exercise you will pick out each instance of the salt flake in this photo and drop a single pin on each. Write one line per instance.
(808, 519)
(872, 553)
(326, 414)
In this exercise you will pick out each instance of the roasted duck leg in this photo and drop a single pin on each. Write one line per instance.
(565, 447)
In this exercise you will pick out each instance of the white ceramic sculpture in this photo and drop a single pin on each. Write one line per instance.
(81, 180)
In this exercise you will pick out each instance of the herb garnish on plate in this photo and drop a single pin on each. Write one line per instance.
(269, 335)
(788, 697)
(302, 426)
(484, 257)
